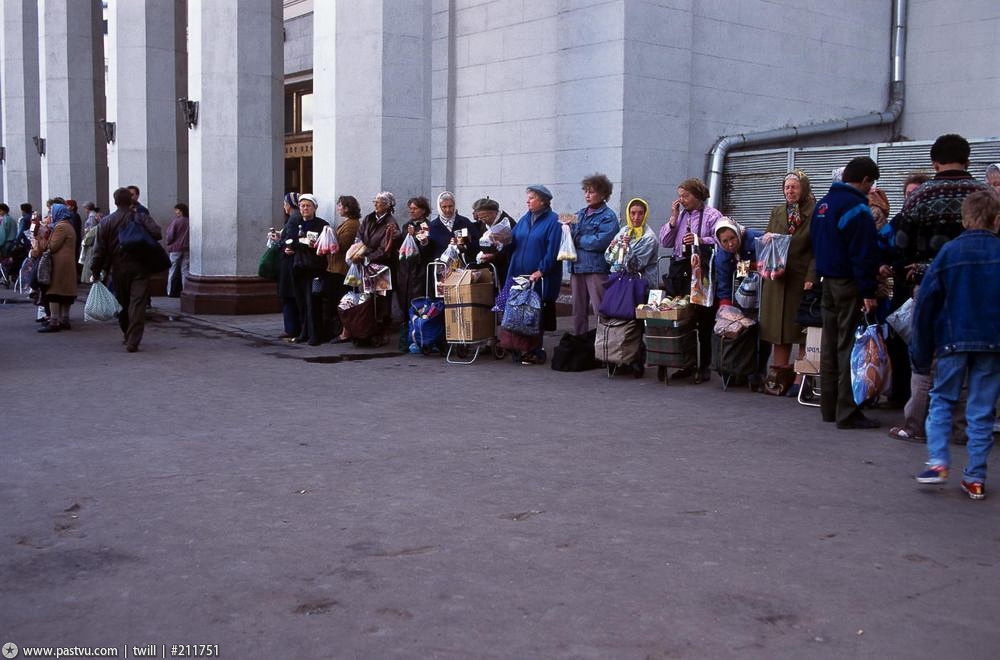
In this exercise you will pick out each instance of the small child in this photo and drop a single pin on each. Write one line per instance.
(956, 330)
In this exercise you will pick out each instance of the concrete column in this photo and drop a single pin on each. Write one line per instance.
(22, 170)
(235, 72)
(142, 73)
(71, 93)
(375, 134)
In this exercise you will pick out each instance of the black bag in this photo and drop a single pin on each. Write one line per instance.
(136, 243)
(677, 281)
(43, 271)
(810, 312)
(306, 259)
(575, 352)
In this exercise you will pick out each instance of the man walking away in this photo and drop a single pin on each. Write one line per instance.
(130, 278)
(845, 246)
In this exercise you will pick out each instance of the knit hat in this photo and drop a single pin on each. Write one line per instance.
(309, 197)
(540, 190)
(486, 204)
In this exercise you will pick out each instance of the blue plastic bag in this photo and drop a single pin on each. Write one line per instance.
(871, 371)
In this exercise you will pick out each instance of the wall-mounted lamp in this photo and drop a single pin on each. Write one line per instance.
(39, 144)
(190, 110)
(3, 154)
(109, 130)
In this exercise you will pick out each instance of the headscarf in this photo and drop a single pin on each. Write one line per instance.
(292, 199)
(635, 233)
(60, 212)
(447, 221)
(728, 223)
(805, 204)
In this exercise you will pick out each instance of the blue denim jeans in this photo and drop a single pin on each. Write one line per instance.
(950, 371)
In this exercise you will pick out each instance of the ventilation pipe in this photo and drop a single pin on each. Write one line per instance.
(717, 156)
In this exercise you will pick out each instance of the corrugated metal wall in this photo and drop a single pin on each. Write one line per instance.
(752, 180)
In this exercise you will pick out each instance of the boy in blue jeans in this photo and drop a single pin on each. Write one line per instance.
(956, 324)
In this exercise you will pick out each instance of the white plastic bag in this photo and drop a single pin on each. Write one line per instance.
(567, 250)
(101, 304)
(409, 249)
(327, 242)
(354, 276)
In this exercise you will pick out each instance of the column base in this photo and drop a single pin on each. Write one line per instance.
(229, 294)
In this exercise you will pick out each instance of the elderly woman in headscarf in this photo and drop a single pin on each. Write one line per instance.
(635, 246)
(60, 293)
(780, 298)
(451, 227)
(534, 247)
(309, 274)
(378, 234)
(286, 283)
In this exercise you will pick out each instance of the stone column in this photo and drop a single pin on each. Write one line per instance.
(22, 170)
(71, 93)
(376, 134)
(235, 73)
(142, 79)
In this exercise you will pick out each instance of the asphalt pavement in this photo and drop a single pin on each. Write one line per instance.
(222, 487)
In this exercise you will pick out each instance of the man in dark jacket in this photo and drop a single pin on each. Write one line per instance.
(130, 278)
(845, 245)
(956, 324)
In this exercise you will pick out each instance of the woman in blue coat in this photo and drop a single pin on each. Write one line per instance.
(534, 247)
(594, 228)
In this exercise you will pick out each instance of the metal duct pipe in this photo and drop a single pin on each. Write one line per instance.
(717, 155)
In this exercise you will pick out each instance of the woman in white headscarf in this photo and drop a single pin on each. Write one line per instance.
(450, 227)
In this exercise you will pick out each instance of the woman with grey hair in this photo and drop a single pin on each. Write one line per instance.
(993, 176)
(378, 233)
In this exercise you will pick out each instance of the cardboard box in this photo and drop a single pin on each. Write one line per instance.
(676, 314)
(462, 287)
(468, 323)
(811, 362)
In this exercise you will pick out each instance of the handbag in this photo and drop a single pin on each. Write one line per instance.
(902, 320)
(43, 274)
(677, 281)
(747, 294)
(623, 292)
(810, 312)
(270, 262)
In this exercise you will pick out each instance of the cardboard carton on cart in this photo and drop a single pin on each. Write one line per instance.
(468, 300)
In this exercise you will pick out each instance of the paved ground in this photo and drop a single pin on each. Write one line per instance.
(219, 488)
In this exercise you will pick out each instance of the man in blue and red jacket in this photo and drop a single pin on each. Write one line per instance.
(845, 246)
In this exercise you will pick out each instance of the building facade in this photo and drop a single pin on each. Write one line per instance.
(480, 97)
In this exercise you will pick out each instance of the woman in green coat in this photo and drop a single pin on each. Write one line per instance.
(781, 297)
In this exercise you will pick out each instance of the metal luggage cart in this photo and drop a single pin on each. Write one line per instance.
(466, 312)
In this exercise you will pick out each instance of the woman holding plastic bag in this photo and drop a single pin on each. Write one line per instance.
(376, 245)
(591, 232)
(534, 247)
(308, 270)
(635, 241)
(783, 289)
(336, 265)
(497, 229)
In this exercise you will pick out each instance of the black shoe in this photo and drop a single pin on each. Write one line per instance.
(638, 370)
(299, 340)
(49, 328)
(859, 421)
